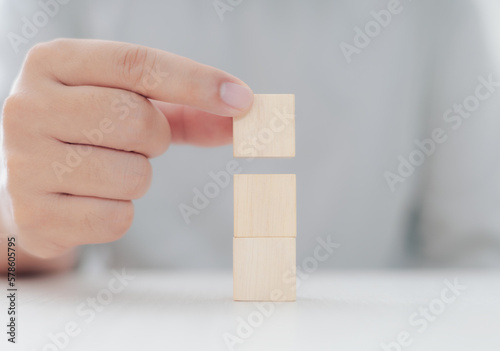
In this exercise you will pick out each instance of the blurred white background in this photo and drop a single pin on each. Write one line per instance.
(357, 116)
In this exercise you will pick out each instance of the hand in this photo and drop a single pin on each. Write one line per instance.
(78, 129)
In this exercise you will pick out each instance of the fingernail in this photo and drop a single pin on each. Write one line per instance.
(235, 95)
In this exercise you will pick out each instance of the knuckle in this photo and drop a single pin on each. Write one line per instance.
(30, 241)
(10, 110)
(15, 170)
(121, 219)
(32, 218)
(39, 53)
(23, 216)
(35, 225)
(134, 62)
(21, 111)
(137, 176)
(42, 52)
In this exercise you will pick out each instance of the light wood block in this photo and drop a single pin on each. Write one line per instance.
(264, 269)
(265, 205)
(268, 129)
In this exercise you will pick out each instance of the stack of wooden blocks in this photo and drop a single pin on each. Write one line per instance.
(265, 220)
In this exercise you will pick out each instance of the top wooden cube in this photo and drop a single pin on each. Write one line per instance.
(268, 129)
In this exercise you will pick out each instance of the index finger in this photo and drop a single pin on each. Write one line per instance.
(150, 72)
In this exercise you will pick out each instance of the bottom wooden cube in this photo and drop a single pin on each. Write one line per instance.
(264, 269)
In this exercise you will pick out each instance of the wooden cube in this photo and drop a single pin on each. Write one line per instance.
(268, 129)
(264, 269)
(265, 205)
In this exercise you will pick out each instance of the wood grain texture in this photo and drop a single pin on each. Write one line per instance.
(264, 269)
(268, 129)
(265, 205)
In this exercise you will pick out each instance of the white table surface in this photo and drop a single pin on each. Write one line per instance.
(161, 310)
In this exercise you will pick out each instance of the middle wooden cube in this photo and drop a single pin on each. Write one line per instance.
(265, 205)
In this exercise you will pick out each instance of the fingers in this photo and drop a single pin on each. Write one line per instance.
(192, 126)
(77, 170)
(150, 72)
(111, 118)
(98, 172)
(69, 221)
